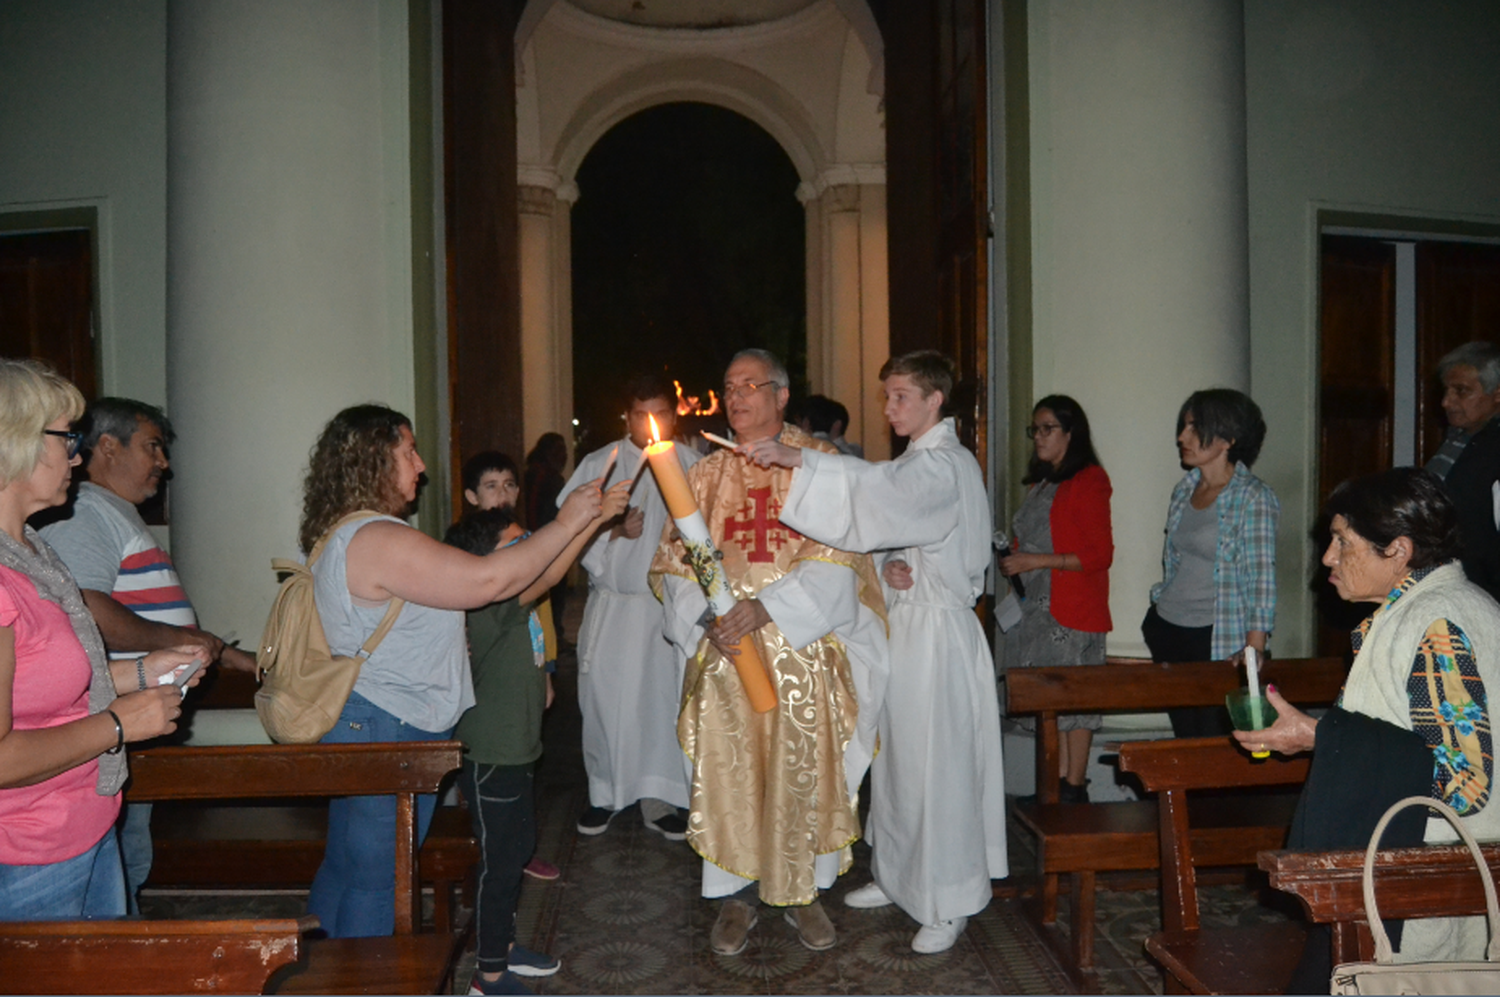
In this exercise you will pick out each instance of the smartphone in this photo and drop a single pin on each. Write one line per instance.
(181, 676)
(1003, 550)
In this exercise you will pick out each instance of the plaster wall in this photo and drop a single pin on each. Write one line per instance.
(1387, 109)
(83, 123)
(1138, 244)
(290, 296)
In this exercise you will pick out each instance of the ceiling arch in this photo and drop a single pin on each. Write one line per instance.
(678, 19)
(708, 81)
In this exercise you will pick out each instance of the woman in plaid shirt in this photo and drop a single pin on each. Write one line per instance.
(1218, 589)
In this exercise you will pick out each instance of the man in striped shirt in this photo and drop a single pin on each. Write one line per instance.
(127, 579)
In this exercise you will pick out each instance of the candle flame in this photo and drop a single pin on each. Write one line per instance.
(689, 405)
(655, 431)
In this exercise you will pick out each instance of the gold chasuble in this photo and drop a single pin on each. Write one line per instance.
(769, 791)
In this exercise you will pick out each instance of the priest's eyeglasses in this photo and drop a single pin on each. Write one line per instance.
(1032, 432)
(73, 441)
(744, 390)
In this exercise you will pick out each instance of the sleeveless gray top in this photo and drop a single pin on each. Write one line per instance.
(420, 671)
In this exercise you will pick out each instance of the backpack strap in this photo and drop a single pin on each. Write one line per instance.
(386, 622)
(392, 611)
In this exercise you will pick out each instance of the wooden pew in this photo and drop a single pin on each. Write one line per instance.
(147, 957)
(1082, 841)
(1427, 881)
(1247, 960)
(405, 963)
(242, 845)
(280, 846)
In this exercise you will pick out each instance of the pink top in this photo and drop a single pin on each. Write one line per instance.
(61, 817)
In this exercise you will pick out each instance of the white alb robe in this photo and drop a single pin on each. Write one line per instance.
(629, 676)
(937, 807)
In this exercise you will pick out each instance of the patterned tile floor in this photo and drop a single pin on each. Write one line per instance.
(625, 917)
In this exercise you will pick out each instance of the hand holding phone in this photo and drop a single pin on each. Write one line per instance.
(181, 675)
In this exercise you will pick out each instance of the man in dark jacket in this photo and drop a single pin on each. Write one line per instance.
(1469, 459)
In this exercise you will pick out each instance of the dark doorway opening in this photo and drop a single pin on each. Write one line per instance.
(688, 245)
(47, 302)
(1390, 306)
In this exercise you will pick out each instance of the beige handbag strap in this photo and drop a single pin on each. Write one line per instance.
(392, 611)
(1383, 953)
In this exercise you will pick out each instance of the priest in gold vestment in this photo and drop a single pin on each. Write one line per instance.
(773, 800)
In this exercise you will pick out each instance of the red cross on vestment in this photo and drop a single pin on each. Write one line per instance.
(759, 520)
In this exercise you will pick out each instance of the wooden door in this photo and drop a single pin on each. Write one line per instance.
(1356, 392)
(483, 230)
(1457, 290)
(1357, 361)
(963, 213)
(46, 302)
(937, 198)
(1458, 301)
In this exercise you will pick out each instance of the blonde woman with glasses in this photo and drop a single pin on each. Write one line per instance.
(65, 710)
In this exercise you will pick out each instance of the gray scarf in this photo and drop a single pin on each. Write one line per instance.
(54, 584)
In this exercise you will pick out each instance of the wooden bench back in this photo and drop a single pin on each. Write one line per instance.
(147, 957)
(229, 772)
(1171, 769)
(1134, 688)
(1152, 686)
(1427, 881)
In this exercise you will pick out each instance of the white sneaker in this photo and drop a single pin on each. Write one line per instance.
(867, 897)
(935, 938)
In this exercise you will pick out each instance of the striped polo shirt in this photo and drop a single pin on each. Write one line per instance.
(108, 548)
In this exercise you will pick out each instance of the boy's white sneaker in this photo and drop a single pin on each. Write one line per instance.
(935, 938)
(867, 897)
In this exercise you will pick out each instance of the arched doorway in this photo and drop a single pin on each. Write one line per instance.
(807, 76)
(688, 244)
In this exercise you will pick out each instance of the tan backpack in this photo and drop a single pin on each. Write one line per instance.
(304, 685)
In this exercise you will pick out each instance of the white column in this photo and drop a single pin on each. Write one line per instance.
(848, 336)
(546, 203)
(289, 268)
(1140, 273)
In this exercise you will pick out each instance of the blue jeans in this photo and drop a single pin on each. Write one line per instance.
(354, 892)
(136, 852)
(87, 886)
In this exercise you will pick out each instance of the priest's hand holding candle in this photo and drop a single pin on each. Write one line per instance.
(707, 565)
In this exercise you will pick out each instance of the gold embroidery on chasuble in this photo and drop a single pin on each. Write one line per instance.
(769, 792)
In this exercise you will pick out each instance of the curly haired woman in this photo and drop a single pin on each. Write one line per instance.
(416, 683)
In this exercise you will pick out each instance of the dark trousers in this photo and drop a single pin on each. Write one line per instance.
(1170, 643)
(503, 811)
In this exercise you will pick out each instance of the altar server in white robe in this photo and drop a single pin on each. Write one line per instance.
(937, 808)
(629, 677)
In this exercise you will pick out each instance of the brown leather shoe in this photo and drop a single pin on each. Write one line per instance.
(731, 932)
(814, 929)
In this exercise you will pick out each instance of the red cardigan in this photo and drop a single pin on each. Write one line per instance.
(1080, 525)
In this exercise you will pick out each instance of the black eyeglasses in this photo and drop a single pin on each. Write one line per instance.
(74, 440)
(1032, 432)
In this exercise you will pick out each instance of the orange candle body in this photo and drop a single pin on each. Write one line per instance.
(705, 559)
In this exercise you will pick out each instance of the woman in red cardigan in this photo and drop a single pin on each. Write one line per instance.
(1064, 547)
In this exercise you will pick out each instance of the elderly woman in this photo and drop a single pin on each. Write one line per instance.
(1218, 589)
(65, 712)
(1064, 549)
(416, 683)
(1413, 718)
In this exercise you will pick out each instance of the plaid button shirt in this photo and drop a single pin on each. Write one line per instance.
(1245, 561)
